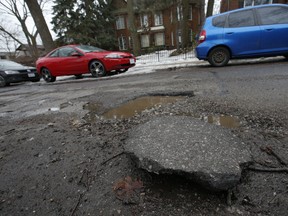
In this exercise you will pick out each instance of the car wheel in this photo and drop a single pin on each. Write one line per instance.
(286, 56)
(97, 69)
(3, 82)
(219, 57)
(46, 74)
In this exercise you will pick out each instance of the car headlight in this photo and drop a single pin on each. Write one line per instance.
(11, 72)
(113, 55)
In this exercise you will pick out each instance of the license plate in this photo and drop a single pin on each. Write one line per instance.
(31, 75)
(132, 61)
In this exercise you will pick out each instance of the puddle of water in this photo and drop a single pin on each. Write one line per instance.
(65, 105)
(224, 121)
(54, 109)
(138, 105)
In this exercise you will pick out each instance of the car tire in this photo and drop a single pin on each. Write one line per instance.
(219, 57)
(286, 56)
(97, 69)
(47, 76)
(3, 82)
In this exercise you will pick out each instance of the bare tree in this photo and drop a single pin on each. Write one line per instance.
(40, 23)
(184, 23)
(132, 27)
(210, 7)
(18, 9)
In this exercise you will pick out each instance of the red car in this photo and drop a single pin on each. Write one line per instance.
(81, 59)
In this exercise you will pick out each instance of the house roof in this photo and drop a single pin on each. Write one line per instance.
(24, 47)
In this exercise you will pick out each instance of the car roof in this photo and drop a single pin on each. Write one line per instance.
(68, 45)
(247, 8)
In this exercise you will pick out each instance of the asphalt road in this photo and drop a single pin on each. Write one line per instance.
(255, 85)
(68, 161)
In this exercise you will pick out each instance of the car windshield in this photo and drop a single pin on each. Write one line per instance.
(5, 64)
(87, 48)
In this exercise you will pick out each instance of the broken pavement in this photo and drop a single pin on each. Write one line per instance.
(205, 153)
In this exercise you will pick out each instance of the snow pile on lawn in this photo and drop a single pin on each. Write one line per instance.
(162, 60)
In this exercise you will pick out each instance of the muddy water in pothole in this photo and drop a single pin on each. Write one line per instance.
(138, 105)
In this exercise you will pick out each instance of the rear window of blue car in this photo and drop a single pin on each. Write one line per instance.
(219, 21)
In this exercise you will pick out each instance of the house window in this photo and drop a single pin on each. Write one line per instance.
(171, 16)
(191, 35)
(120, 22)
(145, 41)
(130, 42)
(248, 3)
(159, 39)
(122, 43)
(158, 19)
(172, 38)
(190, 12)
(179, 12)
(144, 20)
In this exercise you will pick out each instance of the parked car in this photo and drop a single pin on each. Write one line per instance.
(259, 31)
(81, 59)
(12, 72)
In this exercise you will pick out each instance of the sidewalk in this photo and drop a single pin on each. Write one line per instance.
(165, 63)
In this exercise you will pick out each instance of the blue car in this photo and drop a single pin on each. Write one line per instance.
(259, 31)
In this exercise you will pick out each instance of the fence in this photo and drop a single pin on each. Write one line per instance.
(165, 55)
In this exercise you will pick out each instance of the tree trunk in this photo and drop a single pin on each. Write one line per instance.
(184, 24)
(132, 27)
(41, 24)
(210, 7)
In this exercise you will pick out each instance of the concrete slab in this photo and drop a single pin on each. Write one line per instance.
(205, 153)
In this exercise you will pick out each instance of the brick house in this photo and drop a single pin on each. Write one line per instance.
(159, 29)
(227, 5)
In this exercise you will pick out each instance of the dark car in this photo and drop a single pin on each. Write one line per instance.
(81, 59)
(12, 72)
(259, 31)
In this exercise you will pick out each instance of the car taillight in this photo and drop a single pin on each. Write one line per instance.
(202, 37)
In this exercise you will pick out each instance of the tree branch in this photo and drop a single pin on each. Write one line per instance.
(10, 35)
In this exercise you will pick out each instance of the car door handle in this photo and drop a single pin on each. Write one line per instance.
(269, 29)
(229, 33)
